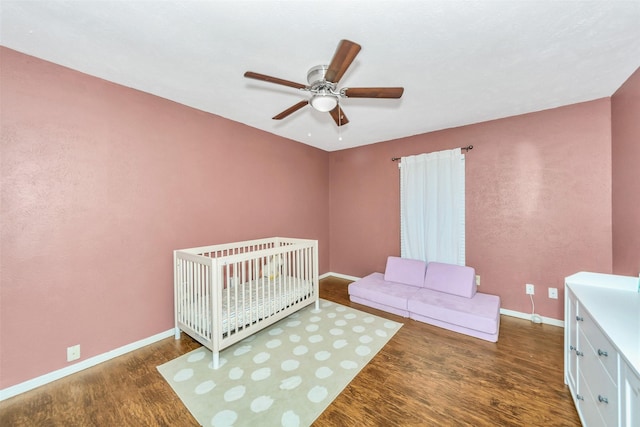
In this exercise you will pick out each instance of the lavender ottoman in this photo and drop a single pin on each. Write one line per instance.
(443, 295)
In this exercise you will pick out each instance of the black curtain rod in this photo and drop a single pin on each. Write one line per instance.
(467, 148)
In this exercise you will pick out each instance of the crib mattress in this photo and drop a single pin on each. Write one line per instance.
(248, 303)
(267, 298)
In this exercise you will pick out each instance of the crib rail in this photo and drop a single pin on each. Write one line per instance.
(225, 293)
(248, 246)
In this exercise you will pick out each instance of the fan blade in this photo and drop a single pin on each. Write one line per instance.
(373, 92)
(290, 110)
(263, 77)
(344, 56)
(338, 116)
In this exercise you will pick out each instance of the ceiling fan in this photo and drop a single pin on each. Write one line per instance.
(323, 85)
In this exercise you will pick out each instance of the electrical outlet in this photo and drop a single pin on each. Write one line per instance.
(73, 353)
(477, 280)
(553, 293)
(529, 289)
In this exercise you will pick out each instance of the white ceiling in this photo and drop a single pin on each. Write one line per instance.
(460, 62)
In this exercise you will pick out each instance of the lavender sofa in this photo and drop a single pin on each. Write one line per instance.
(443, 295)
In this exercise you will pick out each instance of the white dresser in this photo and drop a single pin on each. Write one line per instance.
(602, 348)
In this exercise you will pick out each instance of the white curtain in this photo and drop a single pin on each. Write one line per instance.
(432, 204)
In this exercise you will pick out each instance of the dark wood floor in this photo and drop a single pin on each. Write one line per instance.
(425, 376)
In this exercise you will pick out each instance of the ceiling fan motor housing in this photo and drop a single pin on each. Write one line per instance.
(316, 74)
(317, 82)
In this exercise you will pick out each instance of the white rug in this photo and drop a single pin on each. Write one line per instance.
(285, 375)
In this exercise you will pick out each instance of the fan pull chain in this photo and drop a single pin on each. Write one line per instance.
(339, 121)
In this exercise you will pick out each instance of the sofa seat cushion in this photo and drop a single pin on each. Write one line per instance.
(451, 279)
(481, 313)
(404, 270)
(374, 288)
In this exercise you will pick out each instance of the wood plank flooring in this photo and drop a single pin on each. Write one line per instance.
(425, 376)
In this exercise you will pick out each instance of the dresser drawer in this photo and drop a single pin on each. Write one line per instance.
(597, 388)
(602, 347)
(587, 406)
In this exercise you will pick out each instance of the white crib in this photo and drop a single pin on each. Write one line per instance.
(224, 293)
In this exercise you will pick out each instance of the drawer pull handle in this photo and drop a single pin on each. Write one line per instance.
(579, 397)
(603, 399)
(579, 353)
(571, 348)
(579, 318)
(602, 353)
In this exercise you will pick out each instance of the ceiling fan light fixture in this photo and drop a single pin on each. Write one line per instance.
(324, 102)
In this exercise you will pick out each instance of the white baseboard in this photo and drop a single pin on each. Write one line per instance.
(339, 276)
(527, 316)
(93, 361)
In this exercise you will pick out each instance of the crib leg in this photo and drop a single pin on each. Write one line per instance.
(177, 333)
(317, 304)
(216, 360)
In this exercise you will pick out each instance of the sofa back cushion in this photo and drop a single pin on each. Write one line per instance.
(451, 279)
(405, 270)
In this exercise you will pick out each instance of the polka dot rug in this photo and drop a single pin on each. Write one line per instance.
(284, 375)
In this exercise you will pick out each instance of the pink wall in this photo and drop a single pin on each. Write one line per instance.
(100, 183)
(625, 108)
(538, 201)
